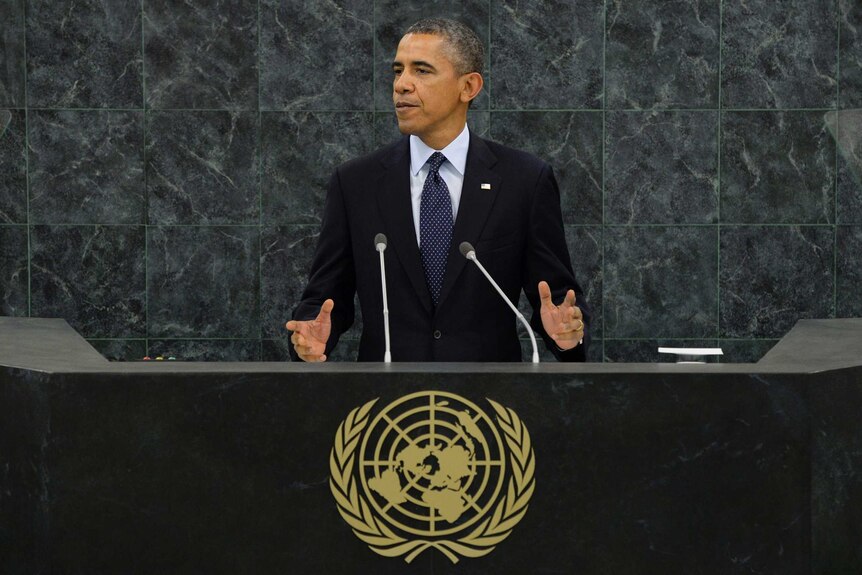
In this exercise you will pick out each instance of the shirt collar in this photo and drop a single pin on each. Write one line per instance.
(455, 152)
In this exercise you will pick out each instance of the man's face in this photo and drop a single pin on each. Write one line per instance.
(427, 90)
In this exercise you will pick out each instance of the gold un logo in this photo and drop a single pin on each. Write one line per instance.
(432, 470)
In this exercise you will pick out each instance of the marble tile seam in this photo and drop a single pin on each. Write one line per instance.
(837, 174)
(388, 110)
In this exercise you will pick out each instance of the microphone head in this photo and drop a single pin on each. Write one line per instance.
(467, 250)
(380, 242)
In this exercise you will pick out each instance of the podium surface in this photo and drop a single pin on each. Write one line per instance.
(176, 467)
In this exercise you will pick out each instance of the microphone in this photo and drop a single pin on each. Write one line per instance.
(469, 252)
(380, 245)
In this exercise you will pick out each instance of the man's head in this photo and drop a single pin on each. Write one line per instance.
(437, 73)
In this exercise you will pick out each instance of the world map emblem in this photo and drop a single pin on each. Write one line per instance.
(432, 470)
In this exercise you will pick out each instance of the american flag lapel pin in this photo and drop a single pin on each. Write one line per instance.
(486, 186)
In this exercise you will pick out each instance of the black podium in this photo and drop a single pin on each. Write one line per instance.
(174, 467)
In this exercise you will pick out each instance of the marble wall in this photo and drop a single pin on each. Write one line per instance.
(162, 163)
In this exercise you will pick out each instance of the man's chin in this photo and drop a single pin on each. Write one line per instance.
(405, 128)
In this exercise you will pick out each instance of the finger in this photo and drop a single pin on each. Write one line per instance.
(577, 313)
(570, 298)
(545, 294)
(311, 357)
(305, 348)
(297, 326)
(569, 336)
(325, 310)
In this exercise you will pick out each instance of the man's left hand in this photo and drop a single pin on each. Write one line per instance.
(564, 322)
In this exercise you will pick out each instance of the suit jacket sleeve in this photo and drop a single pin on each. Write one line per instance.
(332, 269)
(547, 258)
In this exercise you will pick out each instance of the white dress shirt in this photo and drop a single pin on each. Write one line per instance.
(452, 171)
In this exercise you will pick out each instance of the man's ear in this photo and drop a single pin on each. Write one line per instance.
(471, 86)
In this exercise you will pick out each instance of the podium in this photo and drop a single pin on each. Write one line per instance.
(175, 467)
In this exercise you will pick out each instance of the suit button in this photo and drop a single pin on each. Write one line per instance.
(437, 334)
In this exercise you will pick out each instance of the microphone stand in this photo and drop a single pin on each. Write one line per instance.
(469, 252)
(380, 245)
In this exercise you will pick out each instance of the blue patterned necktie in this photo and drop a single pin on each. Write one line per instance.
(435, 226)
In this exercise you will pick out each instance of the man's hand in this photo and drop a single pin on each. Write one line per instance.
(565, 322)
(309, 337)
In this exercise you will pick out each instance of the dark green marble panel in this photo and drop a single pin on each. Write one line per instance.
(772, 276)
(846, 127)
(12, 65)
(546, 55)
(86, 167)
(572, 143)
(299, 151)
(14, 275)
(201, 54)
(84, 54)
(92, 276)
(849, 272)
(660, 282)
(202, 168)
(13, 167)
(850, 54)
(662, 54)
(661, 168)
(203, 282)
(777, 167)
(316, 55)
(779, 54)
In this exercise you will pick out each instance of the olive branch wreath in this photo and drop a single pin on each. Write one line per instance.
(383, 541)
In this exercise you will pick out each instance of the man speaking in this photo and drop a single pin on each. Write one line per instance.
(428, 193)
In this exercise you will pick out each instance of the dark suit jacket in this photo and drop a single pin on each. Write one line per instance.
(516, 228)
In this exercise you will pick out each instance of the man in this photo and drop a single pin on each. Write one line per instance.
(428, 193)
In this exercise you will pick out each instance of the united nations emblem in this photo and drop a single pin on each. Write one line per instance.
(432, 470)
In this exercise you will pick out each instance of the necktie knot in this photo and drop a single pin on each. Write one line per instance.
(435, 161)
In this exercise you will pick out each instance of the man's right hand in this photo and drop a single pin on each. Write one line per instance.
(309, 337)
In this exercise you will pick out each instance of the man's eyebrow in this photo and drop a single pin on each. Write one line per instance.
(424, 64)
(414, 63)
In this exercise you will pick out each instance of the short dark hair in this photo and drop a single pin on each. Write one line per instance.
(464, 47)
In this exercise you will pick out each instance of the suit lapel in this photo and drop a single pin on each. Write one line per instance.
(397, 213)
(473, 210)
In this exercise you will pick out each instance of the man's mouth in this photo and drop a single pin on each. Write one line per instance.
(403, 105)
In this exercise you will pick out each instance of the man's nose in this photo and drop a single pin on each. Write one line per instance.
(403, 83)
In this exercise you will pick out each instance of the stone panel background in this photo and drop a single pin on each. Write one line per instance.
(163, 162)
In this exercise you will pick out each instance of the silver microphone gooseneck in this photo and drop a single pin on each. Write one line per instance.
(380, 246)
(469, 252)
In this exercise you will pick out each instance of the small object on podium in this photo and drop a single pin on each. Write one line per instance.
(160, 358)
(172, 358)
(691, 354)
(147, 358)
